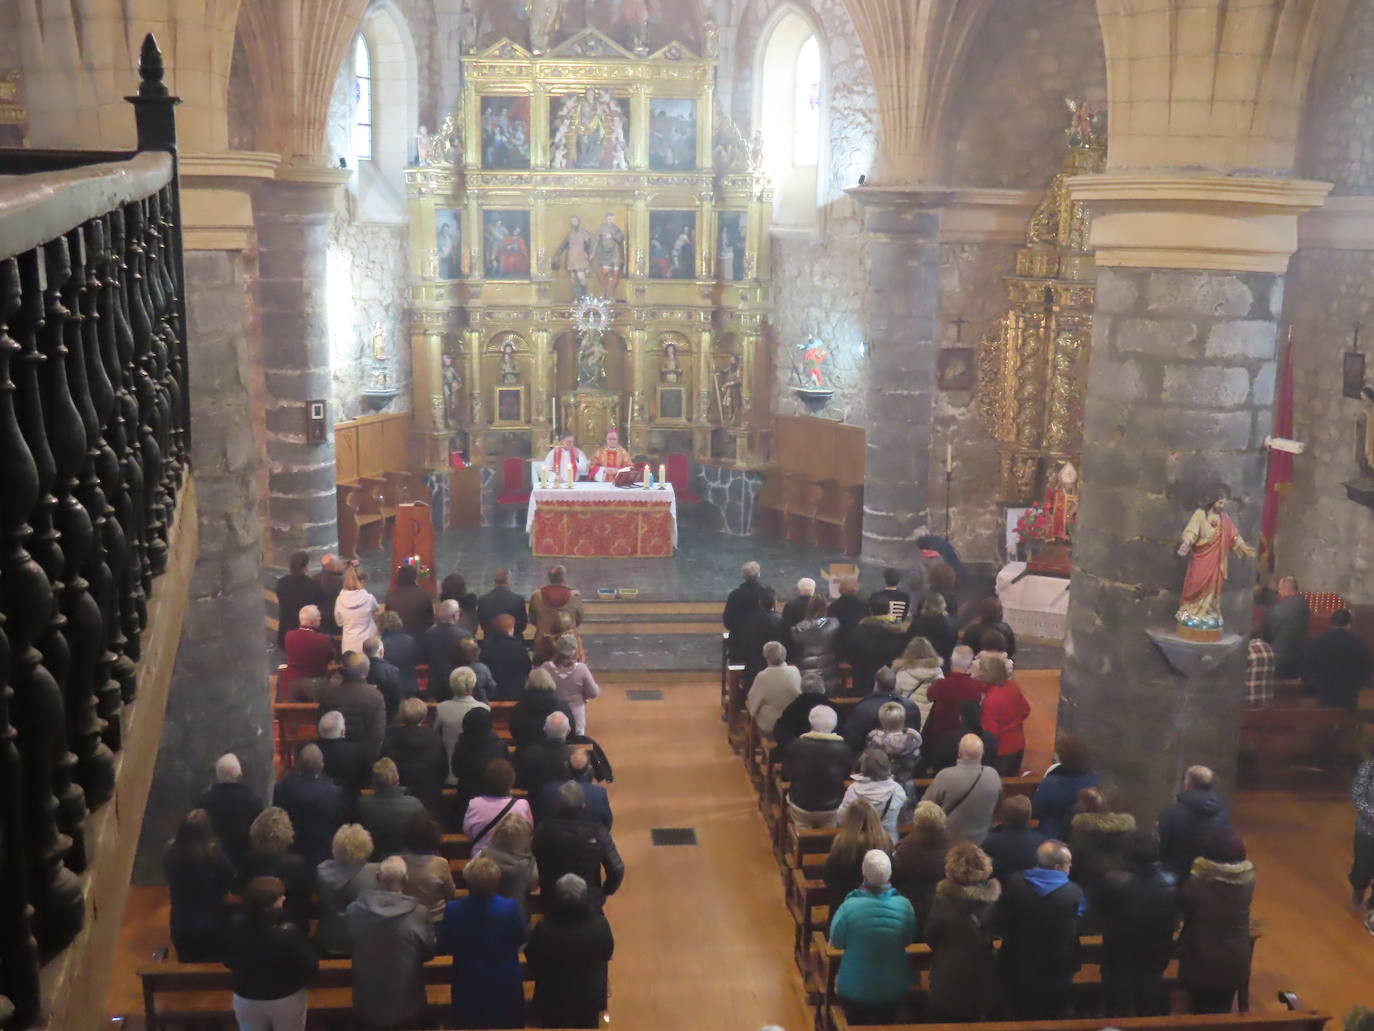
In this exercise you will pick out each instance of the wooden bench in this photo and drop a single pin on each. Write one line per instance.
(825, 965)
(185, 995)
(838, 519)
(1327, 742)
(1300, 1020)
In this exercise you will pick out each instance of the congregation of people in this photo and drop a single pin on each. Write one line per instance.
(348, 861)
(1001, 886)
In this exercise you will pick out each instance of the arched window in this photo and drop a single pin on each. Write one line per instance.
(362, 100)
(790, 110)
(806, 126)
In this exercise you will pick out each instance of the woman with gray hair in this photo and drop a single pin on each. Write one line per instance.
(539, 700)
(308, 655)
(796, 718)
(573, 681)
(568, 953)
(773, 689)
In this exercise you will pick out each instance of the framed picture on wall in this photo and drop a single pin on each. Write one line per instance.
(448, 239)
(672, 134)
(730, 247)
(506, 132)
(506, 235)
(672, 403)
(954, 369)
(510, 406)
(1352, 375)
(672, 244)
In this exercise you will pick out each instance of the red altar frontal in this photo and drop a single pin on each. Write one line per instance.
(595, 520)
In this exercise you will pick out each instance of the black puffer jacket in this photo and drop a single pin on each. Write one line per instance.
(817, 765)
(814, 642)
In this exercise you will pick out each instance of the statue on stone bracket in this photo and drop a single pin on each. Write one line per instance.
(1208, 540)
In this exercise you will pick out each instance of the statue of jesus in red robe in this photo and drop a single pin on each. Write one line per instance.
(1208, 540)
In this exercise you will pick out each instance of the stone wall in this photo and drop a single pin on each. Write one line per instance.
(218, 700)
(1007, 121)
(1324, 538)
(367, 316)
(820, 281)
(1339, 137)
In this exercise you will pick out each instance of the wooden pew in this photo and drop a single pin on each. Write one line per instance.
(1301, 1020)
(1326, 741)
(825, 966)
(177, 995)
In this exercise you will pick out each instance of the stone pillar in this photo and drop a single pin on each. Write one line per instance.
(292, 216)
(1180, 392)
(218, 700)
(903, 235)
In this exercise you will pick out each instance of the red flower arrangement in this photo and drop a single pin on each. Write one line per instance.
(1034, 525)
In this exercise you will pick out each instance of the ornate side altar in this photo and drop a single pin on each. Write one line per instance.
(1033, 365)
(589, 250)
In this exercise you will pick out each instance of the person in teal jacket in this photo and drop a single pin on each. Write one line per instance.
(874, 925)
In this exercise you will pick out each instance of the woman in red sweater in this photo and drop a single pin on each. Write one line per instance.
(1004, 714)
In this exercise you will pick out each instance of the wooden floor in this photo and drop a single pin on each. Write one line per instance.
(703, 939)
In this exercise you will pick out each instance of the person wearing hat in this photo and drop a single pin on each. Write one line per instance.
(816, 765)
(573, 681)
(1214, 945)
(873, 925)
(963, 963)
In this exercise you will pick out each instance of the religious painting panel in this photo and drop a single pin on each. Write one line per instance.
(448, 244)
(954, 369)
(1352, 375)
(506, 237)
(672, 244)
(672, 134)
(672, 403)
(734, 229)
(506, 132)
(589, 130)
(589, 250)
(511, 405)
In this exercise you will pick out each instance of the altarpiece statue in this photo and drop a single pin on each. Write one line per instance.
(582, 188)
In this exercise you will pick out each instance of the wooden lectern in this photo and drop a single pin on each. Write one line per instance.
(413, 534)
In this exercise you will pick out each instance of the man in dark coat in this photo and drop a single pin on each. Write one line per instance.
(546, 760)
(411, 602)
(575, 842)
(1012, 844)
(865, 715)
(1198, 808)
(1336, 664)
(764, 625)
(578, 770)
(1285, 627)
(419, 754)
(1137, 907)
(317, 806)
(501, 600)
(384, 676)
(439, 647)
(506, 656)
(795, 610)
(817, 764)
(361, 704)
(848, 610)
(876, 642)
(295, 591)
(795, 720)
(346, 762)
(740, 605)
(1039, 914)
(232, 808)
(568, 953)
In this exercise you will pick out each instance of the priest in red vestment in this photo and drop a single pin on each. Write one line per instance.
(564, 455)
(610, 457)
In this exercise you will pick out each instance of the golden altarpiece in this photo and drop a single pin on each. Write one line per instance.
(589, 249)
(1033, 364)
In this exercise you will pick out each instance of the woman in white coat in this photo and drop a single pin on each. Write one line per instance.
(356, 612)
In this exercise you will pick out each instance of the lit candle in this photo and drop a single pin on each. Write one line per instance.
(647, 474)
(570, 465)
(662, 473)
(949, 455)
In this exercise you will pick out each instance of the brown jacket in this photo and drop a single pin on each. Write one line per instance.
(547, 603)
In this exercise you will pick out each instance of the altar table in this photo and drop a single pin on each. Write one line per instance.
(597, 520)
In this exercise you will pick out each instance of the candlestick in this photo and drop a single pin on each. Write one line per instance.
(662, 473)
(949, 456)
(647, 475)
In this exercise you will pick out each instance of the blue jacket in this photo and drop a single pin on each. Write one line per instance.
(1055, 798)
(484, 937)
(874, 930)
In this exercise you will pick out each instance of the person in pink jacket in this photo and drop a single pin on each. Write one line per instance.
(572, 680)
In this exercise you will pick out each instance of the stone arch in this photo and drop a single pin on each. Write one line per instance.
(1005, 126)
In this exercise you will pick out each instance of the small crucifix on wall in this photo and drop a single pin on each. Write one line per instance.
(958, 325)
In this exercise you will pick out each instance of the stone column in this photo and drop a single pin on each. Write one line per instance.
(292, 216)
(903, 235)
(218, 700)
(1180, 391)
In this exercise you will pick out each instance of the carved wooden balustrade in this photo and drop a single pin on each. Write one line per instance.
(94, 445)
